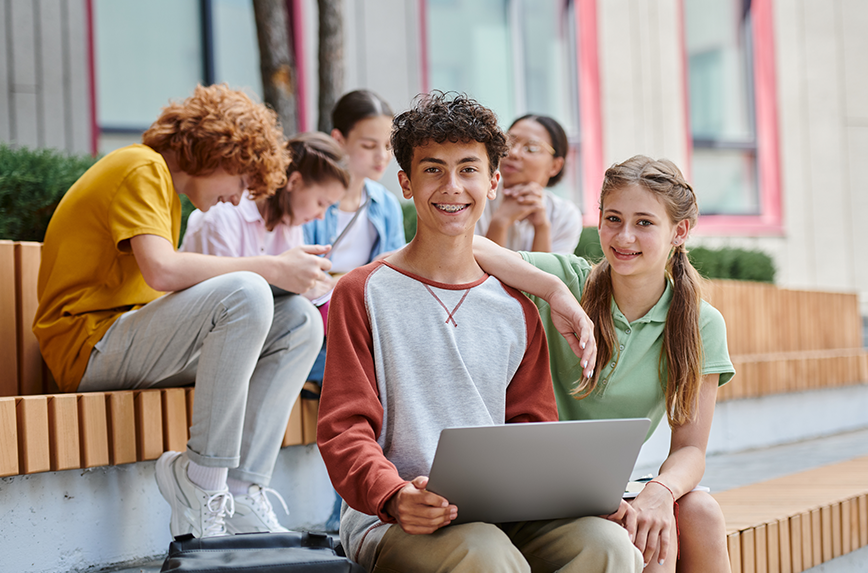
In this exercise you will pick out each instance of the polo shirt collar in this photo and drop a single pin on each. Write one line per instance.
(248, 209)
(657, 313)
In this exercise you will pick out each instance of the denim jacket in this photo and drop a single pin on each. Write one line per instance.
(384, 212)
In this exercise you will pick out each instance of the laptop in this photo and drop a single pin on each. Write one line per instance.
(527, 472)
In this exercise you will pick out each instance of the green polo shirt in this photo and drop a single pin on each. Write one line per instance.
(629, 385)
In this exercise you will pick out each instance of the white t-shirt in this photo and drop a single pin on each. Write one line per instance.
(565, 218)
(354, 249)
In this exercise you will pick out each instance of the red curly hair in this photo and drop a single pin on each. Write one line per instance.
(219, 127)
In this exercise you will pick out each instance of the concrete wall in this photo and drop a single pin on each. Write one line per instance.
(822, 81)
(44, 81)
(642, 80)
(748, 424)
(77, 520)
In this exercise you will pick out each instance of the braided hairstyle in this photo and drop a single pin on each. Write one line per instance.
(680, 365)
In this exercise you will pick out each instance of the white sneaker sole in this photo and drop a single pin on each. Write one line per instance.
(166, 484)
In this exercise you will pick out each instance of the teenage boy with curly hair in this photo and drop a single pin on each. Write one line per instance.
(104, 322)
(425, 340)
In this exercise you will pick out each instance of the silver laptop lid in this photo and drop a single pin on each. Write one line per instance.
(526, 472)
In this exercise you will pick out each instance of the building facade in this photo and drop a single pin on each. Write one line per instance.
(762, 103)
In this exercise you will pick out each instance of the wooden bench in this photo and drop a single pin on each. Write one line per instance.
(784, 340)
(799, 521)
(43, 430)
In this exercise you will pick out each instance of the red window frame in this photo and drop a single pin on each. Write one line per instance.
(769, 222)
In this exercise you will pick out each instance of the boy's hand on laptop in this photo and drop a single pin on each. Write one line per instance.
(418, 511)
(301, 267)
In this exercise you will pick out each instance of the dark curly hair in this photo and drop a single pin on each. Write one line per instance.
(438, 117)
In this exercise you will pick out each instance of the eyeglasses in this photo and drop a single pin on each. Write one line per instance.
(529, 146)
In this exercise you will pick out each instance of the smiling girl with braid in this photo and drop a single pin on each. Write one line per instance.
(660, 348)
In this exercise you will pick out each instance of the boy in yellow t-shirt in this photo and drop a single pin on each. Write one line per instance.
(104, 322)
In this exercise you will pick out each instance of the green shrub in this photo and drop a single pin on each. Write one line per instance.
(723, 263)
(732, 263)
(409, 211)
(32, 182)
(589, 245)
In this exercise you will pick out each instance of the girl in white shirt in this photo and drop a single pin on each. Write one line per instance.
(317, 177)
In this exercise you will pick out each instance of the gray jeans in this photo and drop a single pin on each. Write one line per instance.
(247, 352)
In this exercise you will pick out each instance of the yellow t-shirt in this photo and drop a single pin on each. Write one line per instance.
(89, 276)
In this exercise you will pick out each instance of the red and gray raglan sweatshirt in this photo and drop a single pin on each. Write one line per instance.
(408, 357)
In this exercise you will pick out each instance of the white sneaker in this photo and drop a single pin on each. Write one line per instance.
(194, 510)
(253, 512)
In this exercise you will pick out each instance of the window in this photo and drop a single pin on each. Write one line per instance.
(719, 52)
(173, 46)
(513, 56)
(729, 53)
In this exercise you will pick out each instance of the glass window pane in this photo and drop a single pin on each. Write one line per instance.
(236, 50)
(146, 54)
(725, 181)
(719, 55)
(550, 67)
(469, 50)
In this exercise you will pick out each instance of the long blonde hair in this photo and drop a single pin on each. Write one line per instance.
(680, 365)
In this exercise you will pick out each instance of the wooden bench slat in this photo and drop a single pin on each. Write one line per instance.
(191, 393)
(149, 425)
(761, 549)
(8, 322)
(748, 551)
(863, 520)
(93, 429)
(8, 437)
(33, 449)
(309, 410)
(294, 435)
(174, 402)
(733, 546)
(121, 426)
(63, 438)
(816, 538)
(795, 530)
(30, 368)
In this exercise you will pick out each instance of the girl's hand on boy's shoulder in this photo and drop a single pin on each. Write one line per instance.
(571, 320)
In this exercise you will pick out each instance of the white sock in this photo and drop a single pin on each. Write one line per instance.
(238, 487)
(209, 479)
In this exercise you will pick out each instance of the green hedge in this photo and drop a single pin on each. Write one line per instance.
(32, 182)
(723, 263)
(409, 212)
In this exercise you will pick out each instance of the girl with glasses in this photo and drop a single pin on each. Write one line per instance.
(526, 215)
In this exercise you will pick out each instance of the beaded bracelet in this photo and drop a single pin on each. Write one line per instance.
(675, 504)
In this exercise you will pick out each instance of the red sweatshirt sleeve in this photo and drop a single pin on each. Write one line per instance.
(530, 396)
(350, 412)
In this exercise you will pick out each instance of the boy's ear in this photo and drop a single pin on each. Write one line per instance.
(406, 187)
(495, 181)
(338, 136)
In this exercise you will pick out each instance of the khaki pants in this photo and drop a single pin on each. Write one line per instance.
(586, 545)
